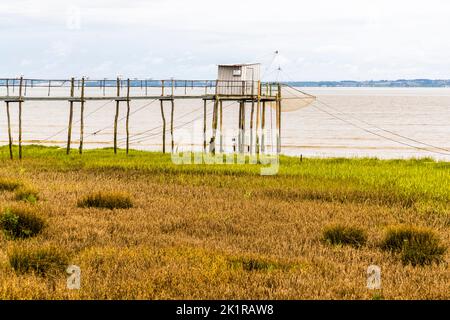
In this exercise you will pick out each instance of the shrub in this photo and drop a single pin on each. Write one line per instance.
(8, 184)
(21, 222)
(416, 246)
(27, 194)
(42, 261)
(108, 200)
(344, 235)
(257, 264)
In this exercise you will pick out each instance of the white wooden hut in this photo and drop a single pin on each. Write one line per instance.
(238, 79)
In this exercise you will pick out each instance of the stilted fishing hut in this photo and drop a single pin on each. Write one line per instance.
(238, 83)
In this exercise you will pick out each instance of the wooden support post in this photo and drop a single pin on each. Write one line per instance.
(7, 87)
(49, 86)
(164, 125)
(171, 124)
(104, 86)
(240, 128)
(214, 126)
(263, 127)
(80, 149)
(162, 88)
(69, 131)
(251, 125)
(204, 125)
(241, 140)
(278, 117)
(258, 107)
(20, 117)
(116, 117)
(221, 126)
(145, 87)
(9, 131)
(128, 115)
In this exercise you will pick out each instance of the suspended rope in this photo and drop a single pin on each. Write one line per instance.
(147, 137)
(377, 134)
(385, 130)
(87, 116)
(158, 127)
(107, 127)
(263, 75)
(446, 151)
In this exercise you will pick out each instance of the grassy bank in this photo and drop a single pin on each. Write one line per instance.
(223, 231)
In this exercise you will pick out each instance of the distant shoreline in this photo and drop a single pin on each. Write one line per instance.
(414, 83)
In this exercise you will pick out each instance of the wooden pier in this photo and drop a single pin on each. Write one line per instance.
(254, 94)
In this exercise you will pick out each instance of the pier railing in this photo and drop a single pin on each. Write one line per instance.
(9, 87)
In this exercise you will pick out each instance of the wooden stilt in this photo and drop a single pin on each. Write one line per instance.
(20, 117)
(9, 131)
(49, 86)
(164, 126)
(263, 126)
(116, 117)
(221, 126)
(214, 126)
(80, 149)
(69, 131)
(240, 128)
(278, 119)
(258, 107)
(204, 125)
(251, 126)
(7, 87)
(128, 115)
(243, 127)
(171, 124)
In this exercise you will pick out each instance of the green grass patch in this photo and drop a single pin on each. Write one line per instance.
(408, 183)
(344, 235)
(42, 261)
(27, 194)
(257, 264)
(416, 246)
(107, 200)
(9, 184)
(21, 222)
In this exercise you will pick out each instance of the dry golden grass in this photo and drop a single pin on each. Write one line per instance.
(195, 234)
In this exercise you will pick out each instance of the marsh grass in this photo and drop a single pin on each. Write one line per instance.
(108, 200)
(27, 193)
(416, 246)
(21, 221)
(226, 232)
(258, 264)
(344, 235)
(9, 184)
(42, 260)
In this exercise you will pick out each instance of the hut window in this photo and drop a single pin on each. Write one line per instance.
(236, 72)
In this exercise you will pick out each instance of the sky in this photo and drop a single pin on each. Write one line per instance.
(186, 39)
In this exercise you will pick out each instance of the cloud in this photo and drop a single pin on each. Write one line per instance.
(318, 40)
